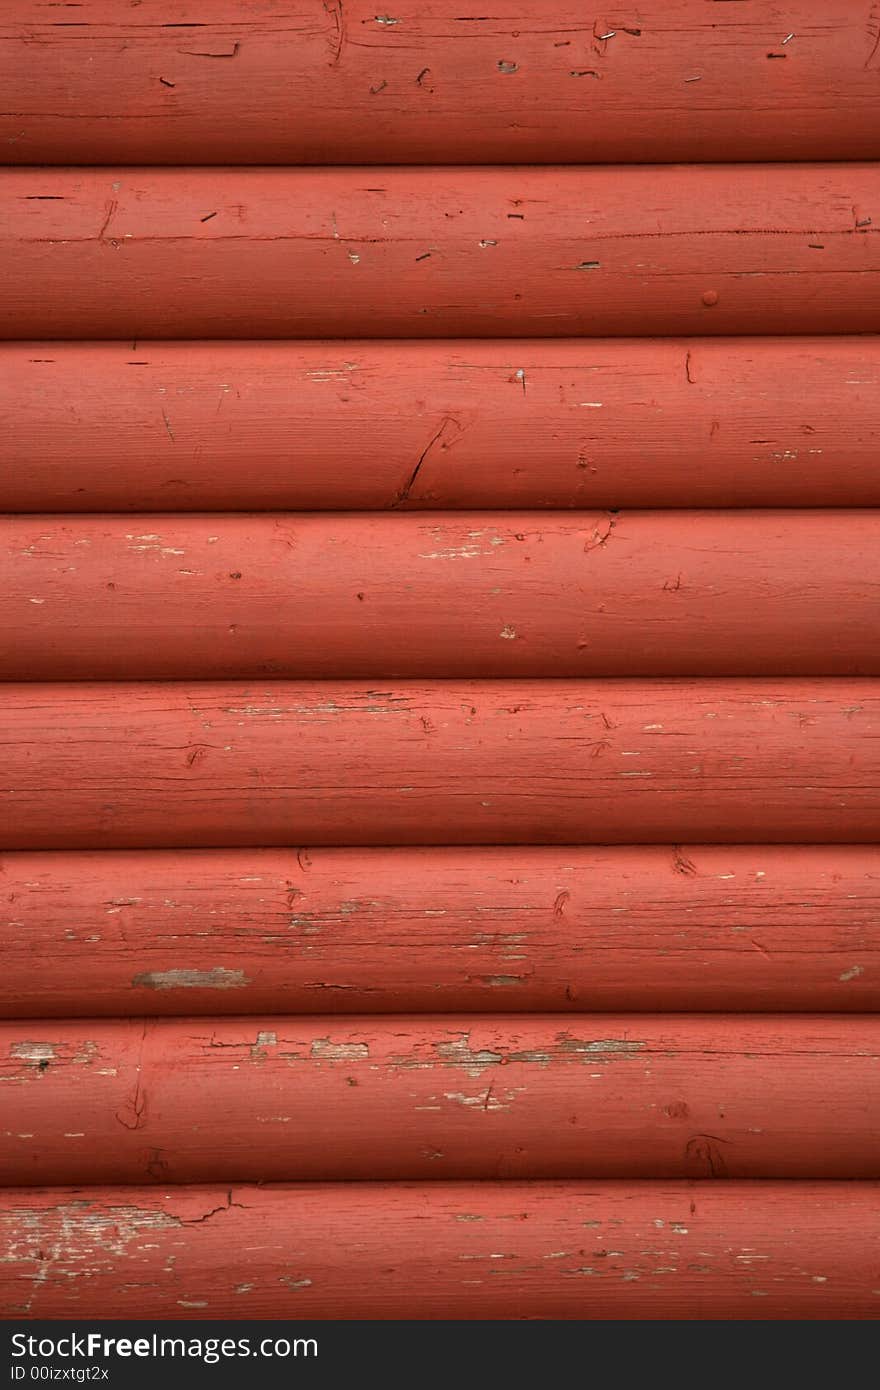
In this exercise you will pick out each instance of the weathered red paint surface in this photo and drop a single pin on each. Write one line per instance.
(240, 83)
(432, 253)
(132, 765)
(428, 1096)
(410, 930)
(518, 254)
(621, 1250)
(241, 426)
(596, 594)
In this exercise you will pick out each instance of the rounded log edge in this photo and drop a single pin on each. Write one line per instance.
(501, 1251)
(474, 929)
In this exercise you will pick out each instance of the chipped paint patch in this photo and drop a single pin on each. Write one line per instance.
(617, 1046)
(459, 1053)
(216, 978)
(33, 1051)
(852, 974)
(151, 541)
(327, 1051)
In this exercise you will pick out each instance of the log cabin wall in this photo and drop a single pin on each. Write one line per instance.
(439, 578)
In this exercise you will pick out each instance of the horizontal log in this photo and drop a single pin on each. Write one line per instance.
(426, 84)
(502, 1250)
(315, 426)
(597, 594)
(428, 253)
(132, 765)
(428, 1096)
(395, 931)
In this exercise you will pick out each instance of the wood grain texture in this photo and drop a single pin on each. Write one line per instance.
(239, 426)
(131, 765)
(242, 83)
(426, 1097)
(597, 594)
(430, 253)
(693, 1250)
(408, 930)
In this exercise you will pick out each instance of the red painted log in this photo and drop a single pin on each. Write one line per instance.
(599, 594)
(133, 765)
(479, 930)
(620, 1250)
(240, 83)
(315, 426)
(428, 1096)
(188, 253)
